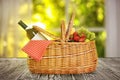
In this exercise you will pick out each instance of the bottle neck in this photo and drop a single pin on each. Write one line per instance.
(22, 24)
(30, 31)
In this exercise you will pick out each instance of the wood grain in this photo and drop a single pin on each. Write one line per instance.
(17, 69)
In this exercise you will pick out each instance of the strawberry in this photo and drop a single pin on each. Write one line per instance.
(75, 34)
(76, 38)
(82, 38)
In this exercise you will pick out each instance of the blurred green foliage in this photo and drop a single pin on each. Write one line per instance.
(49, 12)
(89, 13)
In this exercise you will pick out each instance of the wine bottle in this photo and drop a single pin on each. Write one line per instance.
(29, 31)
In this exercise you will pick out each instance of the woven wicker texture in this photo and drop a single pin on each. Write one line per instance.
(66, 58)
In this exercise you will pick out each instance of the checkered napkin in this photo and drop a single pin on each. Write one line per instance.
(36, 48)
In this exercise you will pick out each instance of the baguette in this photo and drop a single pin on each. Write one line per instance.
(70, 25)
(63, 31)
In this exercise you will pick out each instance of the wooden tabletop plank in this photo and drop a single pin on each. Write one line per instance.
(108, 68)
(66, 77)
(57, 77)
(12, 69)
(26, 75)
(79, 76)
(17, 69)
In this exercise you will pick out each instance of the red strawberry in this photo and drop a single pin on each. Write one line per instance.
(82, 38)
(75, 34)
(76, 38)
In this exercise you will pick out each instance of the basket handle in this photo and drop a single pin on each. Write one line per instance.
(69, 28)
(45, 32)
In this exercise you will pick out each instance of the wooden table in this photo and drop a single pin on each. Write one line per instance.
(17, 69)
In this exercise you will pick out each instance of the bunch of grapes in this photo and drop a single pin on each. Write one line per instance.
(89, 35)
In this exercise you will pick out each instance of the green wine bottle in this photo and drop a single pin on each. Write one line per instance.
(29, 31)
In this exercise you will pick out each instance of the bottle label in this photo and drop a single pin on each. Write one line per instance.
(39, 36)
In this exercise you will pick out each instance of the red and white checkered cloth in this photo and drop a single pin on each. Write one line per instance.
(36, 48)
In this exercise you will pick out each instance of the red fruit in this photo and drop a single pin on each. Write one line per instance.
(82, 39)
(76, 38)
(75, 34)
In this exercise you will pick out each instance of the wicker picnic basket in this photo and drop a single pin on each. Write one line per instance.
(66, 58)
